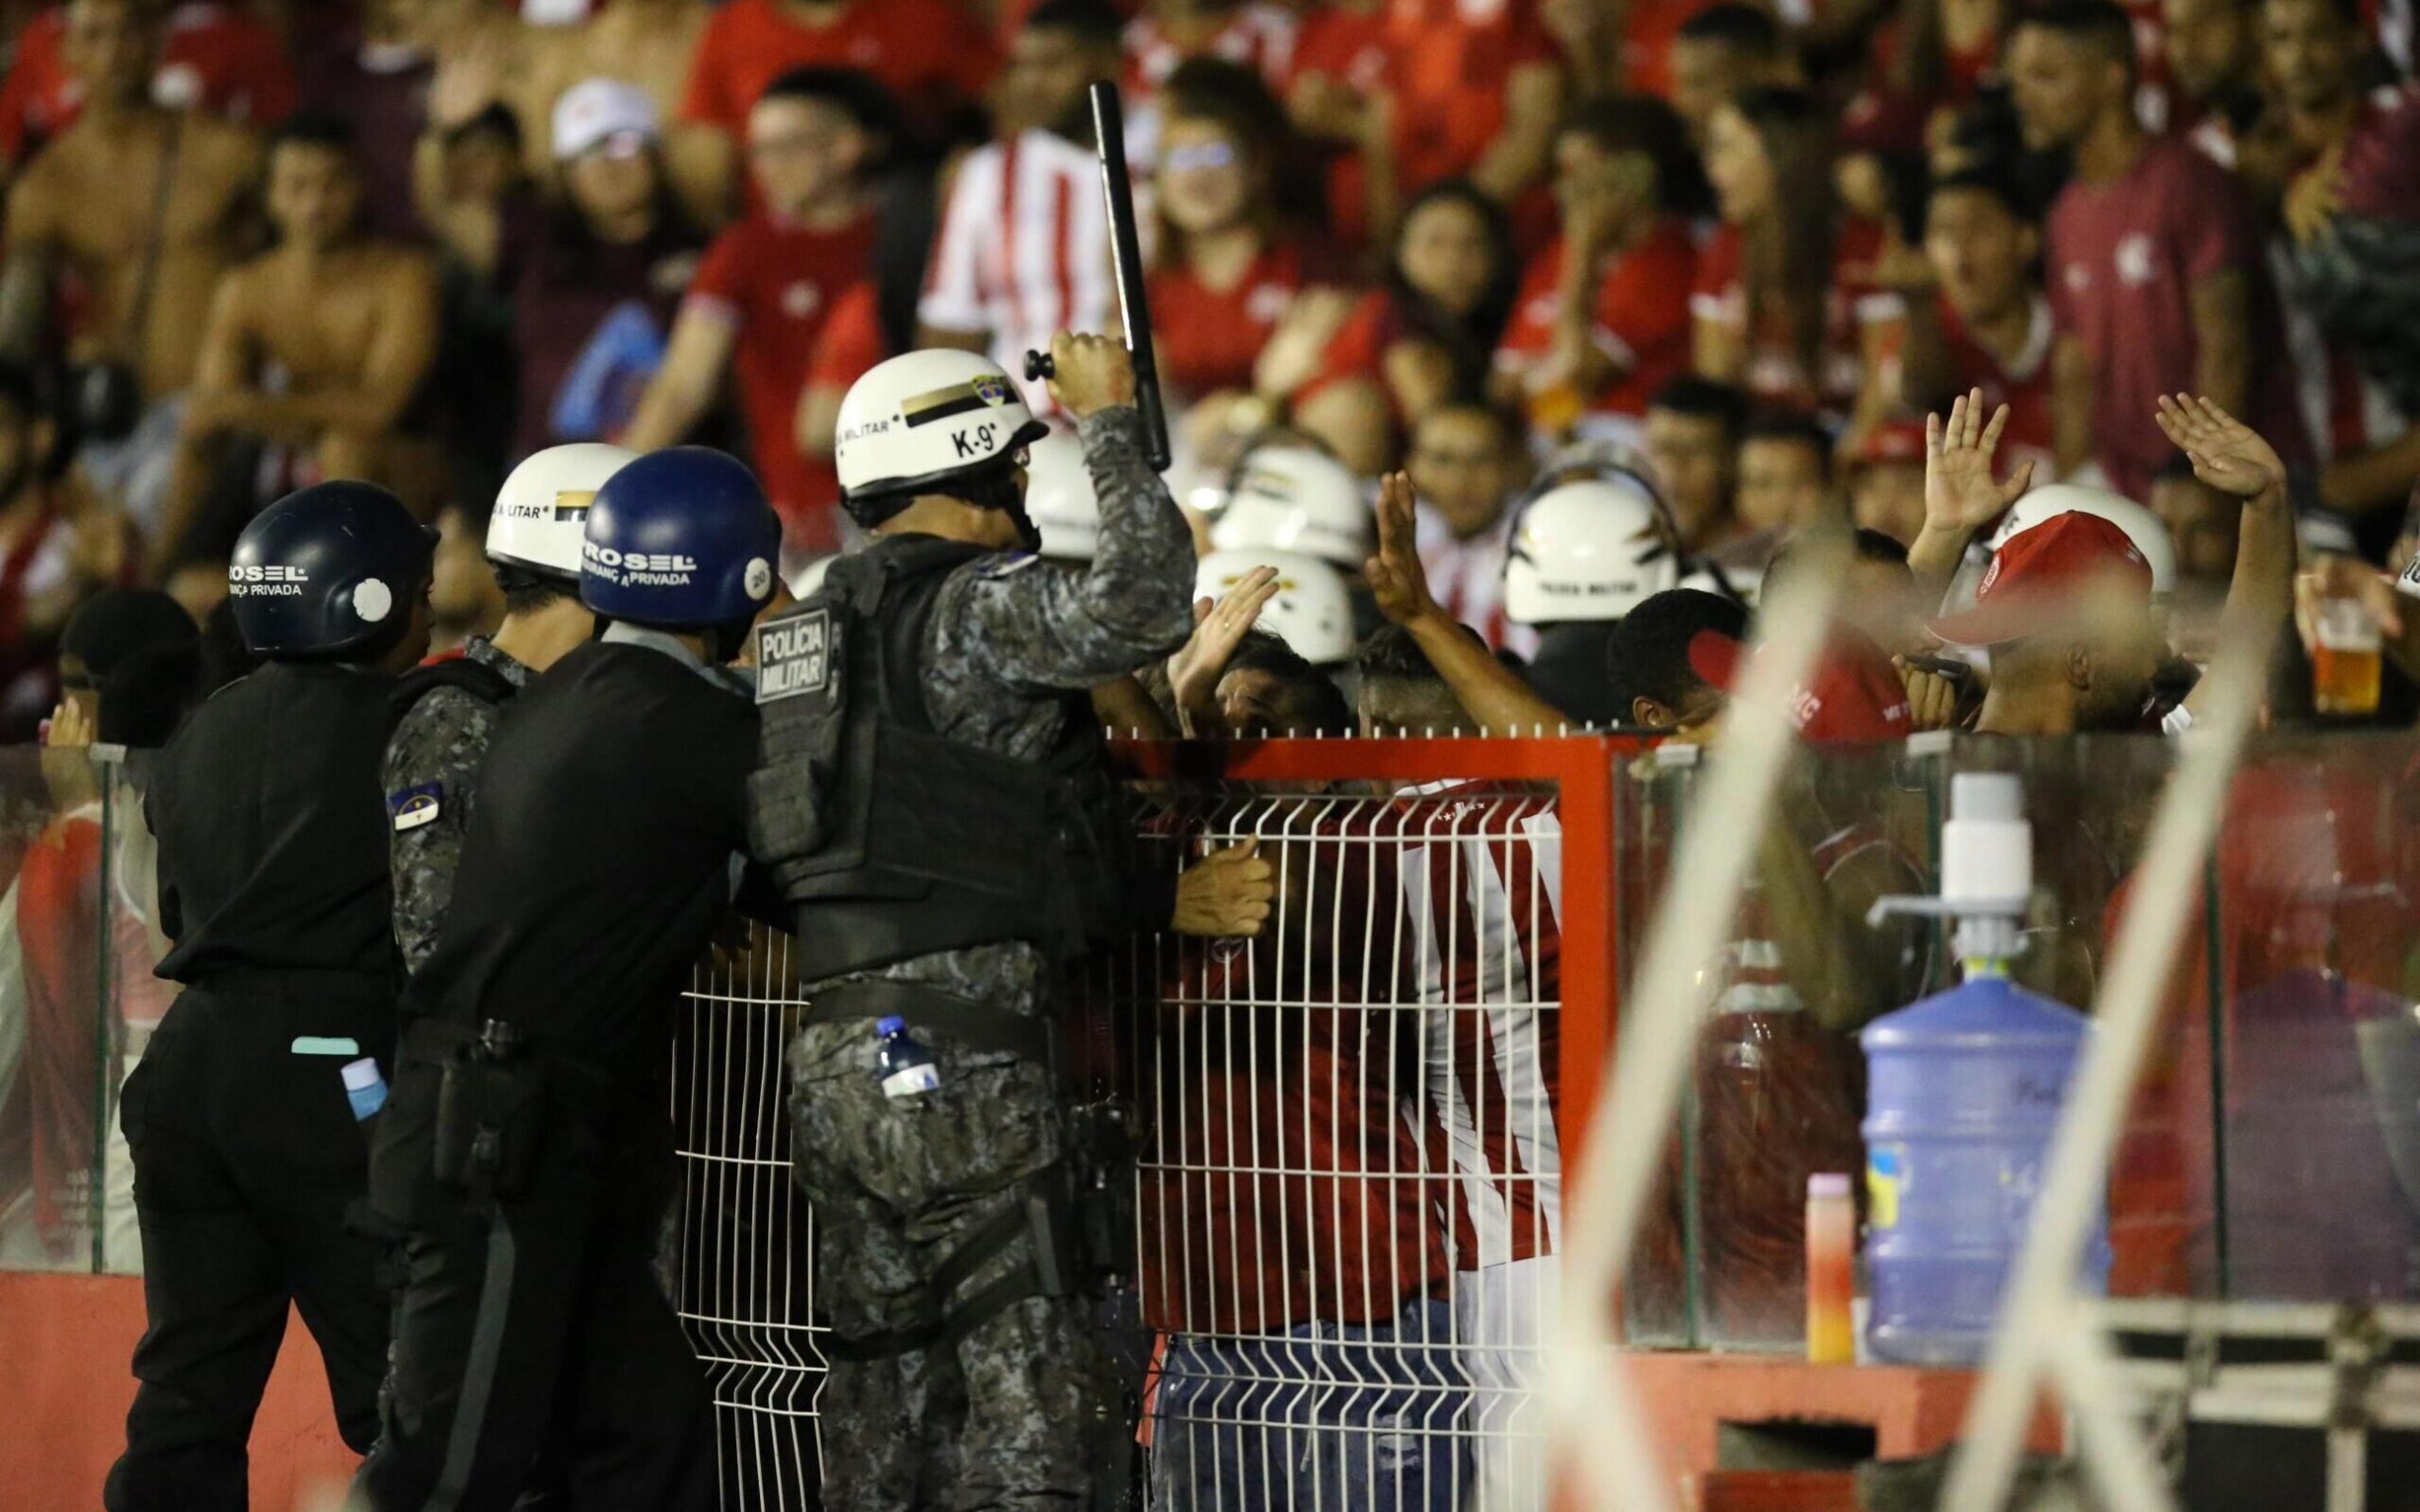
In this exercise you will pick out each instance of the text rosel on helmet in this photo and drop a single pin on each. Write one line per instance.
(1589, 549)
(327, 569)
(918, 420)
(679, 538)
(543, 507)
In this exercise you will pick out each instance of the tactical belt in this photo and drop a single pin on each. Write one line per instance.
(1028, 1036)
(1040, 1215)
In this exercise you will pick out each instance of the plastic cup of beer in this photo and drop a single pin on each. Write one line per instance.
(2345, 659)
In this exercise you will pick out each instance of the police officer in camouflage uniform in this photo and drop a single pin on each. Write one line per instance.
(932, 803)
(446, 709)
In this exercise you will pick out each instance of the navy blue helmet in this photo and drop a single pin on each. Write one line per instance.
(679, 538)
(329, 568)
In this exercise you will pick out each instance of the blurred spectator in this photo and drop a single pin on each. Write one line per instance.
(1692, 437)
(1784, 303)
(318, 346)
(2067, 612)
(595, 277)
(652, 44)
(1430, 334)
(1169, 33)
(2354, 221)
(2206, 526)
(376, 79)
(144, 210)
(1024, 250)
(2156, 281)
(1467, 464)
(1721, 53)
(1984, 321)
(931, 55)
(1268, 690)
(56, 546)
(1230, 255)
(199, 587)
(1785, 474)
(816, 143)
(1335, 98)
(1941, 53)
(1603, 318)
(217, 58)
(1879, 599)
(2208, 46)
(1648, 666)
(1475, 91)
(1885, 476)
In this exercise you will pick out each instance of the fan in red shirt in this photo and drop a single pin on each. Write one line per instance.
(1597, 332)
(1784, 303)
(1987, 325)
(2157, 281)
(218, 59)
(1477, 90)
(1169, 33)
(1228, 261)
(762, 296)
(1339, 68)
(931, 54)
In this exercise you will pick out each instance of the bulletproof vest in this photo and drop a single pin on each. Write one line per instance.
(892, 840)
(477, 678)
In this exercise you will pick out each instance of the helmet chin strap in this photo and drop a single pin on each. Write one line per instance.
(1028, 534)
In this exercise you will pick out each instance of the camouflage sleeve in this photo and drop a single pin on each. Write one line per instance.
(1033, 625)
(432, 762)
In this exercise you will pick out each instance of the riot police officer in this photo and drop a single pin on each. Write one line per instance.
(273, 889)
(527, 1153)
(932, 802)
(446, 710)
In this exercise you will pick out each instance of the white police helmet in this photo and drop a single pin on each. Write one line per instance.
(1592, 549)
(1312, 611)
(2144, 529)
(918, 420)
(1059, 497)
(1296, 498)
(541, 508)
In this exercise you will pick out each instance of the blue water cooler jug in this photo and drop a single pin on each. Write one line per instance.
(1962, 1093)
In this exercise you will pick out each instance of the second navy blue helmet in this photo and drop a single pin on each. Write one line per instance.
(679, 538)
(333, 568)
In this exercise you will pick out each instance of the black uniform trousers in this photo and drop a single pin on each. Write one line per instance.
(532, 1332)
(246, 1156)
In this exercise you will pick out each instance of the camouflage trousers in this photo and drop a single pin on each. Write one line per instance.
(1002, 1418)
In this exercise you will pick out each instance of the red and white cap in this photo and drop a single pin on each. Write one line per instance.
(1853, 694)
(2038, 578)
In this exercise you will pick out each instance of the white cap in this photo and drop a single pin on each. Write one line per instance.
(2148, 533)
(1312, 611)
(1059, 497)
(918, 419)
(1589, 549)
(594, 109)
(1296, 498)
(543, 507)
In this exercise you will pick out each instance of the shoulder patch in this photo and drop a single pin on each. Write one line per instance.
(416, 806)
(1001, 565)
(794, 654)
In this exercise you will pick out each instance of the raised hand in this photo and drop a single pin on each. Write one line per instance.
(1395, 576)
(1218, 628)
(2225, 453)
(1959, 494)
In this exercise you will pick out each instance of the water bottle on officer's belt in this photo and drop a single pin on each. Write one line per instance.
(906, 1067)
(364, 1089)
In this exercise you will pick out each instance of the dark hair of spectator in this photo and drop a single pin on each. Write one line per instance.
(1791, 426)
(1787, 256)
(1512, 429)
(497, 119)
(316, 129)
(1616, 124)
(149, 695)
(23, 390)
(1093, 22)
(1392, 654)
(1468, 340)
(1867, 544)
(1314, 706)
(1285, 191)
(853, 92)
(1647, 657)
(1703, 399)
(1874, 546)
(574, 242)
(2099, 25)
(116, 624)
(1749, 31)
(1985, 181)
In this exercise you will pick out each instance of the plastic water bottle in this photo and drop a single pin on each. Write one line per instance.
(1964, 1090)
(906, 1067)
(364, 1089)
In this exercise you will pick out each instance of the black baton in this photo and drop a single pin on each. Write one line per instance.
(1125, 255)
